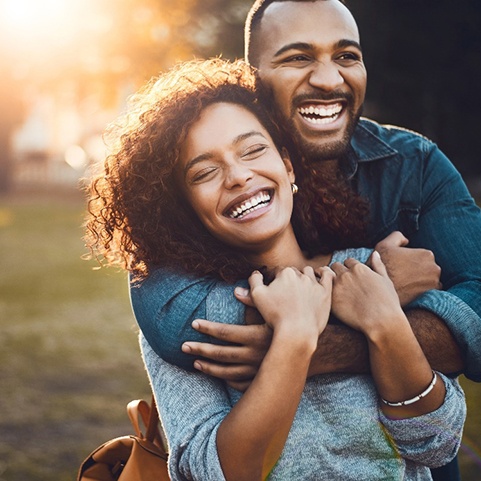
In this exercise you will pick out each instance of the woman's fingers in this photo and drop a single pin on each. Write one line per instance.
(325, 275)
(256, 279)
(378, 265)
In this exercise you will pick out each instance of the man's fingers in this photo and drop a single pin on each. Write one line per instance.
(231, 372)
(394, 239)
(240, 385)
(237, 334)
(214, 352)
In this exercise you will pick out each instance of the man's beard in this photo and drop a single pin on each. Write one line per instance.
(316, 150)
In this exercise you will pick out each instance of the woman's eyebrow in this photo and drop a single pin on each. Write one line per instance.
(246, 135)
(196, 160)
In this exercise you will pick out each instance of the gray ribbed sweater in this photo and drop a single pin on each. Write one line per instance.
(338, 434)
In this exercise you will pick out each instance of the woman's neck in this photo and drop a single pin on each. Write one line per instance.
(286, 252)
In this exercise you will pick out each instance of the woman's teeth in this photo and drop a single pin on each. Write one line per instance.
(254, 203)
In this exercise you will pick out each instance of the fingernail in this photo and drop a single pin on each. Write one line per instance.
(186, 348)
(195, 325)
(376, 254)
(242, 291)
(198, 365)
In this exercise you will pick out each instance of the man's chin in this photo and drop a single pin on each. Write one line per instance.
(325, 150)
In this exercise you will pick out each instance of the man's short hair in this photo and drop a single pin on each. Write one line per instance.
(253, 21)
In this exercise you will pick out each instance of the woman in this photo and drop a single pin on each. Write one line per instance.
(200, 180)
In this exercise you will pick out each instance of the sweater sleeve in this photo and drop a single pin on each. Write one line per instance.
(432, 439)
(166, 303)
(191, 407)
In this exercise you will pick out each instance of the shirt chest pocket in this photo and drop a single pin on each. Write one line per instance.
(405, 220)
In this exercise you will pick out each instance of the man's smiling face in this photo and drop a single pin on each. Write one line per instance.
(310, 59)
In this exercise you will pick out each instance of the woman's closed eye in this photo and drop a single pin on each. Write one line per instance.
(254, 151)
(202, 174)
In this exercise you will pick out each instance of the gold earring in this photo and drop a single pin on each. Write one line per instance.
(294, 188)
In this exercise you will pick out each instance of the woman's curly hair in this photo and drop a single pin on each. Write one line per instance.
(138, 217)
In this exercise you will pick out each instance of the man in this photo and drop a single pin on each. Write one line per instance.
(310, 64)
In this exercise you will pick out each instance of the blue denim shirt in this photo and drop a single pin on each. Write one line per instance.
(411, 187)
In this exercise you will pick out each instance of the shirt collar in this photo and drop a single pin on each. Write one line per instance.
(365, 146)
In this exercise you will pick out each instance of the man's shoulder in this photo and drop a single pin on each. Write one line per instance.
(374, 141)
(386, 130)
(392, 135)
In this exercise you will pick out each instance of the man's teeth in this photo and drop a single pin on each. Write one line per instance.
(320, 115)
(254, 203)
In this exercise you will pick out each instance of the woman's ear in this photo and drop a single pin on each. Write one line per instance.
(288, 164)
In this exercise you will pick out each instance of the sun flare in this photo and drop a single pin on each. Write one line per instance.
(26, 15)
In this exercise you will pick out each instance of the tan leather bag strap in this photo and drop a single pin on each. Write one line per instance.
(140, 409)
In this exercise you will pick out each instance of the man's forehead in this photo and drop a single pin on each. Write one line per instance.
(306, 22)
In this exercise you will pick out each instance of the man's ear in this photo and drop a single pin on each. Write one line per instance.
(288, 164)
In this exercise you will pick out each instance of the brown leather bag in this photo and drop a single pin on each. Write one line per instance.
(130, 458)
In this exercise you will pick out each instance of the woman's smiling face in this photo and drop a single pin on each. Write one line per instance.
(235, 179)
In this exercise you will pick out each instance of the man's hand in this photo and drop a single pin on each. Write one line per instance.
(237, 364)
(412, 271)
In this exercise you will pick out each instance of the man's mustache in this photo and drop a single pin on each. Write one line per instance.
(321, 96)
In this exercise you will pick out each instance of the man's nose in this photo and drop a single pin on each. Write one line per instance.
(326, 76)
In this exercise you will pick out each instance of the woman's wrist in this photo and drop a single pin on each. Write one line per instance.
(385, 327)
(292, 338)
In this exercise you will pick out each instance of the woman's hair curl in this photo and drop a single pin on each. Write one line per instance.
(138, 217)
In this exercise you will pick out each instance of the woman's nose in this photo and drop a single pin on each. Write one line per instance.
(238, 174)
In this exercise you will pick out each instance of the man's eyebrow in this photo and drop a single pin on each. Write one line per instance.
(348, 43)
(309, 46)
(293, 46)
(209, 155)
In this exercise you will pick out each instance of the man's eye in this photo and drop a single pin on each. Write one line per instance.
(348, 57)
(296, 59)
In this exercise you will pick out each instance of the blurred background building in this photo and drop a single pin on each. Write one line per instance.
(67, 66)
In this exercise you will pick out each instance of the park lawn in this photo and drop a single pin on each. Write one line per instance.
(69, 359)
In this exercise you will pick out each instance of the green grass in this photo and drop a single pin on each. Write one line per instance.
(69, 359)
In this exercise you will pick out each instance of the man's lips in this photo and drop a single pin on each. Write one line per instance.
(249, 204)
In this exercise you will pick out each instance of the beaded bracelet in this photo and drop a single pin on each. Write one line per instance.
(416, 398)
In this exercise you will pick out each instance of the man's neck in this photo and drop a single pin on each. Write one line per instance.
(328, 167)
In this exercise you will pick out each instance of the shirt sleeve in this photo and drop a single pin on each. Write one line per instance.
(462, 321)
(432, 439)
(191, 408)
(166, 303)
(450, 225)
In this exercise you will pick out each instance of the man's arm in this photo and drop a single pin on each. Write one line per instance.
(339, 349)
(166, 303)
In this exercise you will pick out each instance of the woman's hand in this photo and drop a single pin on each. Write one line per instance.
(364, 298)
(295, 300)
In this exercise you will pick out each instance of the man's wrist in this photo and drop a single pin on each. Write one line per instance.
(340, 349)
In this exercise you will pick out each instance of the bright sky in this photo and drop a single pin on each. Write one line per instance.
(42, 26)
